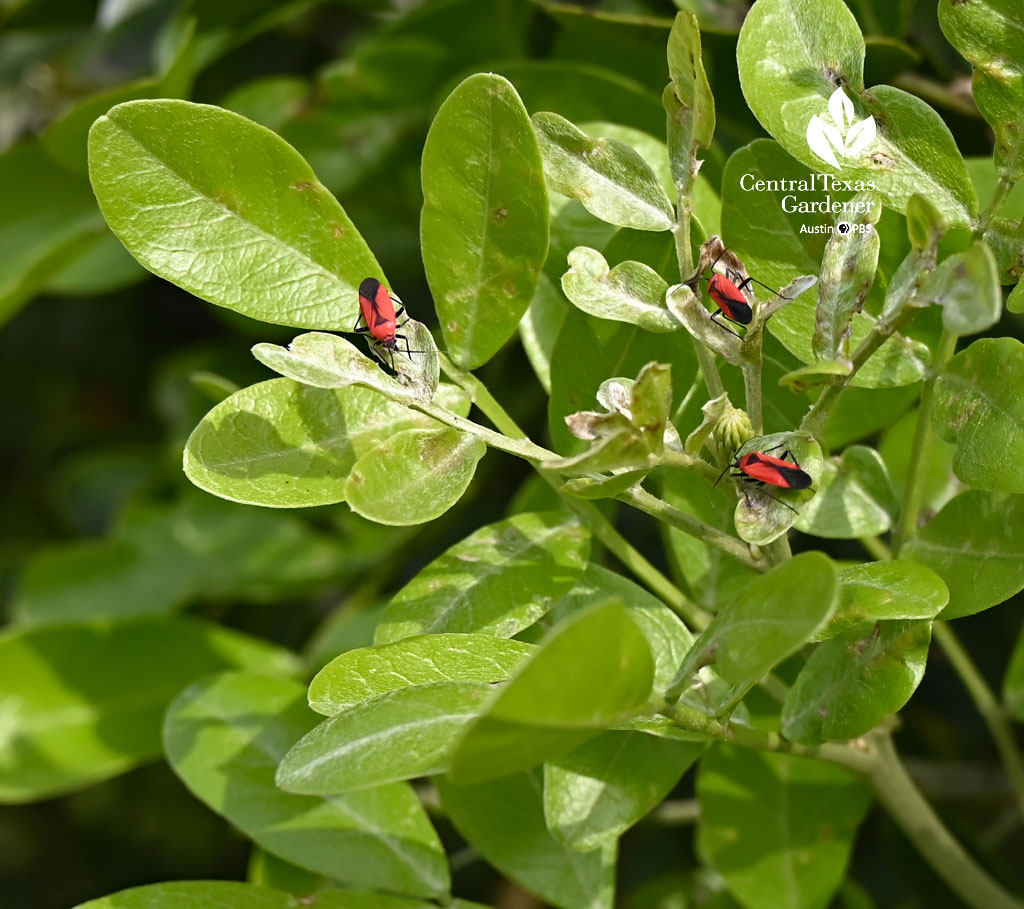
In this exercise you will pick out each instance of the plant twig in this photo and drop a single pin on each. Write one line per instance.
(1002, 190)
(988, 705)
(643, 500)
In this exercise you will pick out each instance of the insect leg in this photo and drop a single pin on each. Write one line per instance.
(714, 318)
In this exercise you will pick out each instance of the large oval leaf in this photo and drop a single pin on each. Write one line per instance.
(225, 736)
(363, 674)
(976, 545)
(229, 211)
(780, 829)
(484, 228)
(979, 407)
(499, 580)
(84, 702)
(856, 680)
(288, 445)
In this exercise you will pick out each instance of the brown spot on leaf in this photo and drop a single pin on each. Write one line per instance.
(337, 231)
(500, 215)
(302, 185)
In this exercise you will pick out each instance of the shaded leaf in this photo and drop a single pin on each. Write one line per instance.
(855, 497)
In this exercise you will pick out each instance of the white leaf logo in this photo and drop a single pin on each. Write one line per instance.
(844, 137)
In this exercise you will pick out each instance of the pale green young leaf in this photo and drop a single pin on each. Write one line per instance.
(329, 361)
(83, 702)
(1005, 237)
(286, 445)
(1015, 301)
(966, 286)
(686, 69)
(597, 791)
(976, 545)
(630, 292)
(793, 55)
(400, 735)
(765, 621)
(874, 591)
(611, 179)
(363, 674)
(413, 476)
(925, 224)
(989, 35)
(504, 821)
(499, 580)
(855, 497)
(227, 210)
(225, 736)
(856, 680)
(979, 408)
(484, 227)
(780, 829)
(847, 272)
(543, 711)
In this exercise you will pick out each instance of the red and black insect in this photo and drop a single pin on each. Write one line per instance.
(377, 310)
(729, 298)
(763, 469)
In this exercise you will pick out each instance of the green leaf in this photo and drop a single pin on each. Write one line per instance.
(484, 228)
(794, 55)
(287, 445)
(779, 829)
(667, 636)
(414, 476)
(988, 34)
(925, 224)
(499, 580)
(600, 789)
(1005, 237)
(328, 361)
(224, 736)
(162, 557)
(1013, 684)
(630, 292)
(229, 211)
(236, 895)
(855, 497)
(400, 735)
(612, 180)
(775, 249)
(539, 328)
(979, 408)
(886, 590)
(504, 821)
(976, 545)
(1015, 301)
(39, 231)
(363, 674)
(766, 621)
(940, 485)
(847, 272)
(690, 84)
(966, 286)
(763, 514)
(856, 680)
(84, 702)
(543, 711)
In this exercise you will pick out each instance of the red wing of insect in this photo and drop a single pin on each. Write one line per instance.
(774, 471)
(729, 298)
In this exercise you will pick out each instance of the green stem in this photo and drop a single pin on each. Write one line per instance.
(777, 550)
(752, 390)
(988, 705)
(709, 369)
(913, 490)
(657, 508)
(672, 458)
(1003, 187)
(521, 447)
(821, 410)
(876, 548)
(937, 846)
